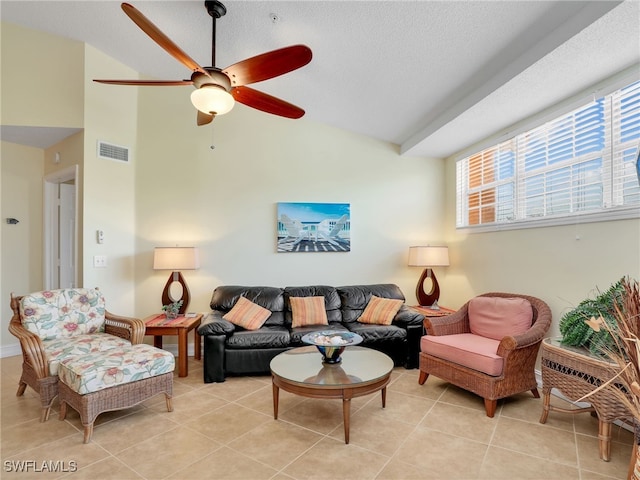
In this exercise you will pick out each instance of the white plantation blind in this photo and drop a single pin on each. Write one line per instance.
(583, 162)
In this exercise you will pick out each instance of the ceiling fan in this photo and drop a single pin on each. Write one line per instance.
(218, 89)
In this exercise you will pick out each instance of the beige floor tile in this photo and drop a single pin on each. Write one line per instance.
(588, 452)
(442, 455)
(523, 406)
(227, 464)
(262, 400)
(538, 440)
(117, 436)
(408, 384)
(227, 423)
(401, 407)
(506, 464)
(108, 469)
(21, 409)
(377, 433)
(461, 421)
(234, 388)
(463, 398)
(61, 456)
(32, 434)
(167, 453)
(276, 443)
(188, 406)
(319, 415)
(396, 470)
(331, 458)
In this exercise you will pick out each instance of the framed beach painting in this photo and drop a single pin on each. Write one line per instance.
(314, 227)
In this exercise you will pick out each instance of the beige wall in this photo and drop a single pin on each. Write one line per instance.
(562, 265)
(22, 169)
(224, 200)
(42, 79)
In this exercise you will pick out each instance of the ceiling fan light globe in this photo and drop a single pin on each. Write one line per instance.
(212, 99)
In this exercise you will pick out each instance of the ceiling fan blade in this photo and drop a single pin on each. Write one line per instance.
(204, 118)
(160, 38)
(268, 65)
(152, 83)
(266, 103)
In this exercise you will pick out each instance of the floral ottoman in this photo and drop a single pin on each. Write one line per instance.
(113, 380)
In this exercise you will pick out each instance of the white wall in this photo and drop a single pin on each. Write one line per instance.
(224, 200)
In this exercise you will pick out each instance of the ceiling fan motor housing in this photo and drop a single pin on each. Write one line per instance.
(214, 77)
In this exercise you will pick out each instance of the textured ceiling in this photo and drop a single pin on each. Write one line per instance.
(430, 76)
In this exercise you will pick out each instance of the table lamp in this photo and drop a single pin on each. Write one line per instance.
(428, 256)
(176, 259)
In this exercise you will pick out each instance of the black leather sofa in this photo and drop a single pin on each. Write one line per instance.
(232, 350)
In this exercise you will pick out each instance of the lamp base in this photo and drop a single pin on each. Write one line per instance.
(167, 298)
(429, 300)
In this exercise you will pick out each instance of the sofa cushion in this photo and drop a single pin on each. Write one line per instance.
(467, 349)
(247, 314)
(372, 333)
(63, 313)
(97, 371)
(497, 317)
(265, 337)
(299, 332)
(331, 300)
(307, 311)
(355, 298)
(380, 311)
(59, 349)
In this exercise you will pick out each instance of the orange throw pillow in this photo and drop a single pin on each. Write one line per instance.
(308, 311)
(247, 314)
(380, 311)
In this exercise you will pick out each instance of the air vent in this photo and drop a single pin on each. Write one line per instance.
(113, 152)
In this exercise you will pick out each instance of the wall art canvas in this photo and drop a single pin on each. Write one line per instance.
(314, 227)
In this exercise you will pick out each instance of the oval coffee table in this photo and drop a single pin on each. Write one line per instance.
(300, 371)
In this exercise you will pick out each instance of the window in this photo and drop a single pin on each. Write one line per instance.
(582, 163)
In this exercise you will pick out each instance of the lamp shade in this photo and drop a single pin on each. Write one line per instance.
(176, 258)
(428, 256)
(212, 99)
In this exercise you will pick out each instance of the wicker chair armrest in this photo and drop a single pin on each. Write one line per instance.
(457, 322)
(31, 345)
(132, 329)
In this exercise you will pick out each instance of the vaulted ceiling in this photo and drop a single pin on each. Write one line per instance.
(431, 76)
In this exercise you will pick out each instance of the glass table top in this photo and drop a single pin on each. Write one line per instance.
(304, 365)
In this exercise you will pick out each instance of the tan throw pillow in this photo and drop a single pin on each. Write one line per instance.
(380, 311)
(247, 314)
(497, 317)
(308, 311)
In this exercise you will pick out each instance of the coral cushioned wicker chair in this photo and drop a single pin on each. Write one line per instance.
(55, 325)
(488, 347)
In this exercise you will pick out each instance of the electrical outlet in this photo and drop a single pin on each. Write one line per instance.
(99, 261)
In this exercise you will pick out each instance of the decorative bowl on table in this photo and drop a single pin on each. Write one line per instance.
(331, 343)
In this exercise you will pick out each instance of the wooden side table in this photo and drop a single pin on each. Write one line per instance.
(576, 373)
(429, 312)
(158, 325)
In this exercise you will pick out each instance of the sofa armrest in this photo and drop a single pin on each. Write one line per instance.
(131, 329)
(407, 316)
(214, 324)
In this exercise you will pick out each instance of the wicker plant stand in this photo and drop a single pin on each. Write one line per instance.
(127, 395)
(576, 373)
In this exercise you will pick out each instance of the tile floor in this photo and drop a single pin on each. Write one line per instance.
(227, 431)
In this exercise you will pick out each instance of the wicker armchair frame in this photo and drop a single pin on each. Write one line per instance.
(519, 352)
(35, 367)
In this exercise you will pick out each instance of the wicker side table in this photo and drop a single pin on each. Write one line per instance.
(575, 372)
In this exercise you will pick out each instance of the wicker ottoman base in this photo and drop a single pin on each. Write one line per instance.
(127, 395)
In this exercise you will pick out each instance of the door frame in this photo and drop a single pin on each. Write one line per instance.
(50, 227)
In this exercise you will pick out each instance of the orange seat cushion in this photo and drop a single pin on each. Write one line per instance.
(467, 349)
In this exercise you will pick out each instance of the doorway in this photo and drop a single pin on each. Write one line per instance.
(61, 229)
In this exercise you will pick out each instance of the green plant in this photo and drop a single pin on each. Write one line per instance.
(575, 332)
(172, 308)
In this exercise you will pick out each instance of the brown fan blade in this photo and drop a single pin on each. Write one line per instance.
(266, 103)
(204, 118)
(160, 38)
(268, 65)
(152, 83)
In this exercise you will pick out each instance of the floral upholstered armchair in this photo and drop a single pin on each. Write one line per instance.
(54, 325)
